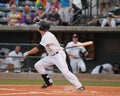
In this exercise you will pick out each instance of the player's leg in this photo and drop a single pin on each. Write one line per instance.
(61, 64)
(73, 65)
(17, 66)
(82, 65)
(40, 67)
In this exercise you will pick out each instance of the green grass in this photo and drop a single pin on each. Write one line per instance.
(58, 82)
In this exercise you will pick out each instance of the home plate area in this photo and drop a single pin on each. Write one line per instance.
(57, 90)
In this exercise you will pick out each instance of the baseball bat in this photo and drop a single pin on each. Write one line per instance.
(88, 43)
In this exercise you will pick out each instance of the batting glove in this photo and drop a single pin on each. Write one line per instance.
(25, 54)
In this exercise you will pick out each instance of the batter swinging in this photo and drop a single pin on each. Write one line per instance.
(56, 56)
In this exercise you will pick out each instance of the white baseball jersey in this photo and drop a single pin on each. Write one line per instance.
(76, 50)
(76, 63)
(16, 61)
(56, 56)
(50, 43)
(107, 69)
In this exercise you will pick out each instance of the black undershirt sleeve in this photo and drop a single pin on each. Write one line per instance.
(40, 47)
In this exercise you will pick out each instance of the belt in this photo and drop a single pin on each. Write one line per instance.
(76, 58)
(54, 53)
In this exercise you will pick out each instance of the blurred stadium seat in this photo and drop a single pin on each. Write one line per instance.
(32, 9)
(2, 5)
(3, 21)
(5, 9)
(6, 13)
(28, 3)
(20, 9)
(2, 14)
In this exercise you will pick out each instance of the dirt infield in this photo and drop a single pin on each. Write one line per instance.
(57, 90)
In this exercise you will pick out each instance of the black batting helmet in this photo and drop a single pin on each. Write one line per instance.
(43, 25)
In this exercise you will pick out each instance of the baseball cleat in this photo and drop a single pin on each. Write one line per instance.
(46, 85)
(81, 88)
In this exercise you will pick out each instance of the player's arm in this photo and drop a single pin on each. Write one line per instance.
(86, 54)
(83, 51)
(33, 51)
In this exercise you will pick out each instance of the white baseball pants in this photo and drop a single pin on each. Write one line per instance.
(77, 64)
(60, 61)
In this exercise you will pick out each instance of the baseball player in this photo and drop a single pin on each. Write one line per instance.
(76, 60)
(56, 56)
(16, 61)
(3, 64)
(4, 61)
(106, 69)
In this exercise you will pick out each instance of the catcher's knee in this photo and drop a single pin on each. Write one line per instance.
(83, 69)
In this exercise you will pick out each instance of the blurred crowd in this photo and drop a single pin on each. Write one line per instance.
(29, 12)
(58, 12)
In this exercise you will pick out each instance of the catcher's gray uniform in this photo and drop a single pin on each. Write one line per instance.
(107, 69)
(76, 62)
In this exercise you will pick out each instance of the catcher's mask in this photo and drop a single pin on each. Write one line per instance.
(43, 25)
